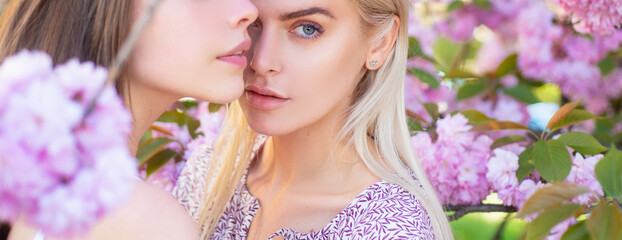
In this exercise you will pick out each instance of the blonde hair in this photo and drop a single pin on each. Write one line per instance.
(377, 110)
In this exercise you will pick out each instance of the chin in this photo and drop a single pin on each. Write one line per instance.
(226, 93)
(268, 127)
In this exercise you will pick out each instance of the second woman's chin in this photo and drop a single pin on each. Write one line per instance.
(264, 122)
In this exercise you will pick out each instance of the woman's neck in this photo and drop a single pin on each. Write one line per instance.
(146, 105)
(313, 159)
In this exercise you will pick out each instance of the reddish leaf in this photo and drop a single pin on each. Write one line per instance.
(562, 112)
(498, 125)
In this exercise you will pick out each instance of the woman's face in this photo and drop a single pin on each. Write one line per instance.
(193, 48)
(306, 59)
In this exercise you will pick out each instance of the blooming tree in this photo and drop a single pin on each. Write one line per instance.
(482, 63)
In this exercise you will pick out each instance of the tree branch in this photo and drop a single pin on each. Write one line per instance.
(461, 210)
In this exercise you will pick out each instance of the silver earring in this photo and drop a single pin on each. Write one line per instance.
(373, 63)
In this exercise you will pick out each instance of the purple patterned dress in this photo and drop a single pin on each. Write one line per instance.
(382, 211)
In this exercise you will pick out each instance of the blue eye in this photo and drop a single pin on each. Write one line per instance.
(308, 30)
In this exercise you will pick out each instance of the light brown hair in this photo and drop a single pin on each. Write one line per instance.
(90, 30)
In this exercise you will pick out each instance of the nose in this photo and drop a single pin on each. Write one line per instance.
(243, 15)
(265, 50)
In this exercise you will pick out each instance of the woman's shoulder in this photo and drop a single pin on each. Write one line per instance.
(387, 210)
(149, 213)
(154, 214)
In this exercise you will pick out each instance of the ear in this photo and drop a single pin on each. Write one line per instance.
(380, 50)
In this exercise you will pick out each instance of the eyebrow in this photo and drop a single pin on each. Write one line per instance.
(305, 12)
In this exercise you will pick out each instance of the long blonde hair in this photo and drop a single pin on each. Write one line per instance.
(377, 110)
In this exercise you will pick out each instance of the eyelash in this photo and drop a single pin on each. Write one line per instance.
(318, 30)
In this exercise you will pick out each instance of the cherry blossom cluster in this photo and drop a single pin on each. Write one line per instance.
(61, 168)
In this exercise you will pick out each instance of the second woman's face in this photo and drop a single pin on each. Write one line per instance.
(193, 48)
(306, 59)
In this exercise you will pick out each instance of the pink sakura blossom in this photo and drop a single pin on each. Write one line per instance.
(593, 16)
(165, 177)
(536, 35)
(582, 172)
(425, 34)
(558, 230)
(77, 169)
(456, 162)
(501, 174)
(417, 92)
(580, 48)
(613, 83)
(490, 55)
(459, 25)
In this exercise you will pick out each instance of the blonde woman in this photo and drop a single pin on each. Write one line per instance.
(326, 84)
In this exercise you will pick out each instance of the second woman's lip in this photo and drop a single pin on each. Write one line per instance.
(263, 98)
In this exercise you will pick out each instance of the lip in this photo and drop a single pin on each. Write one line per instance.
(237, 59)
(264, 98)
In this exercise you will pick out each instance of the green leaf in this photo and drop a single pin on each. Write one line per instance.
(471, 89)
(508, 65)
(214, 107)
(604, 222)
(551, 196)
(445, 52)
(424, 77)
(148, 135)
(525, 164)
(507, 140)
(150, 147)
(607, 65)
(577, 232)
(574, 117)
(193, 124)
(523, 93)
(432, 109)
(609, 173)
(482, 3)
(582, 142)
(454, 5)
(498, 125)
(552, 160)
(160, 159)
(541, 226)
(475, 117)
(414, 48)
(416, 117)
(548, 93)
(459, 73)
(172, 116)
(189, 104)
(414, 125)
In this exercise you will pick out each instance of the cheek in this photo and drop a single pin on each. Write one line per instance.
(328, 74)
(177, 54)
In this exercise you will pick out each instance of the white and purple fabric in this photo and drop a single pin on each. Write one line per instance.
(382, 211)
